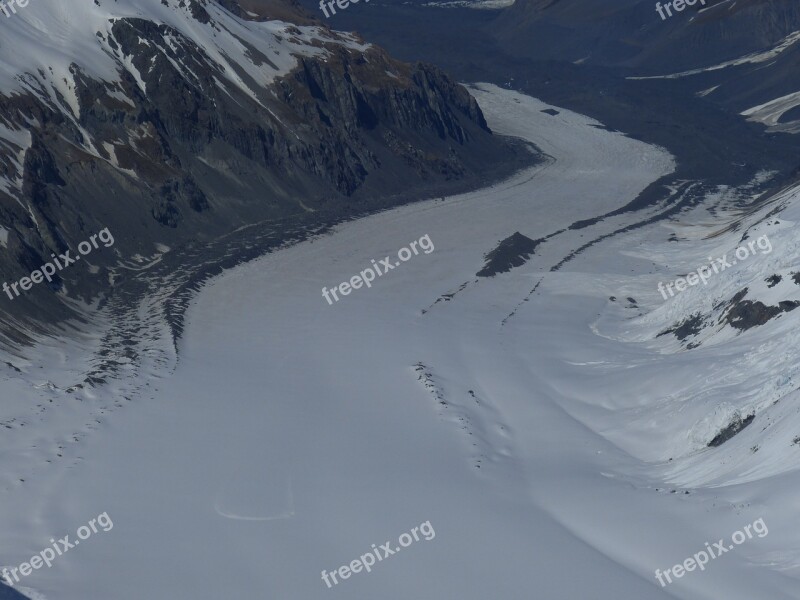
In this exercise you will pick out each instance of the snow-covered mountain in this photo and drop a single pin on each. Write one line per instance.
(182, 120)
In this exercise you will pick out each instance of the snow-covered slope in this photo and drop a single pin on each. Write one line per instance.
(80, 33)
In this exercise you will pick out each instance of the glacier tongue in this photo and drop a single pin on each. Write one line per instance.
(534, 429)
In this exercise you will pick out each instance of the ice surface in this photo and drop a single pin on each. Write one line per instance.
(294, 434)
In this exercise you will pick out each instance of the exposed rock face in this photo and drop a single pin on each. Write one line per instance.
(690, 326)
(192, 141)
(745, 314)
(9, 593)
(512, 252)
(731, 430)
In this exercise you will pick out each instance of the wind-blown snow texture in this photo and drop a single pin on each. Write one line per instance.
(294, 434)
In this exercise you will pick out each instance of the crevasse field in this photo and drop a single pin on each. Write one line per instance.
(541, 433)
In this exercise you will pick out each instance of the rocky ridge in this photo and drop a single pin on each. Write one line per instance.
(180, 122)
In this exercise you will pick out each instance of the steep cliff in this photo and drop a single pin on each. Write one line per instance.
(183, 120)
